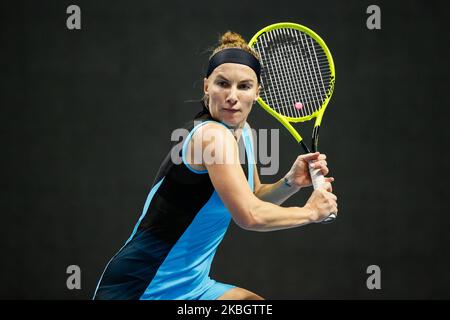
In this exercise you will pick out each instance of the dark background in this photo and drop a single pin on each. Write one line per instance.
(87, 116)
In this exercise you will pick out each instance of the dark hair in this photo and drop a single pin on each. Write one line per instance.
(204, 111)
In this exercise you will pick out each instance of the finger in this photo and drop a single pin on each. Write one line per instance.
(329, 179)
(333, 206)
(310, 156)
(324, 170)
(327, 186)
(322, 156)
(318, 163)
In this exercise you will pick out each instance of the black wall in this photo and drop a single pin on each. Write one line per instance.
(86, 118)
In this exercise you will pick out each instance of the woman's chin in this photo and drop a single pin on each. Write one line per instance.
(232, 120)
(232, 123)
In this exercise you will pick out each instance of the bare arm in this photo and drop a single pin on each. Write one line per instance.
(247, 210)
(297, 178)
(276, 193)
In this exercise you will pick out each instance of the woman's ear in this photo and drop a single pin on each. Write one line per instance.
(205, 85)
(258, 90)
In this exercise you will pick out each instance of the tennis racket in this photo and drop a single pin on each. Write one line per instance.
(297, 80)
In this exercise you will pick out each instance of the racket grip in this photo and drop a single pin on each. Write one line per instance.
(318, 181)
(317, 177)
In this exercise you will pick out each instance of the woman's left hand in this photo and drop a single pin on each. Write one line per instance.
(299, 174)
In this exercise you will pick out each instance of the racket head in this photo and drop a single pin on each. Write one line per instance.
(297, 73)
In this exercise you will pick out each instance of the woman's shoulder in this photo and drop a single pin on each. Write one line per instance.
(213, 130)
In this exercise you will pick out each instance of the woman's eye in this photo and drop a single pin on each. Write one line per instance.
(245, 86)
(222, 83)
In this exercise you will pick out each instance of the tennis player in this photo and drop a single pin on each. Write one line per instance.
(169, 253)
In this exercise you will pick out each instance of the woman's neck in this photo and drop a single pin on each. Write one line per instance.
(237, 131)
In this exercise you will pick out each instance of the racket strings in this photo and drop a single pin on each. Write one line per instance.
(285, 79)
(308, 83)
(273, 79)
(315, 85)
(311, 70)
(275, 91)
(295, 74)
(306, 90)
(271, 75)
(293, 69)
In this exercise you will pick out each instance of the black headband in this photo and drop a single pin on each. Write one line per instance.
(234, 55)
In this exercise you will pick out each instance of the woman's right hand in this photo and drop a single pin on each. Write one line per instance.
(322, 203)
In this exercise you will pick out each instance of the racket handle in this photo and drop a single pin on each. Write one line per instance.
(318, 181)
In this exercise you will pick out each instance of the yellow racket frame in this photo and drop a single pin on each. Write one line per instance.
(317, 114)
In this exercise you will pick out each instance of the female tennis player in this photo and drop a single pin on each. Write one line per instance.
(169, 253)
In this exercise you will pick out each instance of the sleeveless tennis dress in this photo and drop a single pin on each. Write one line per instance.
(169, 253)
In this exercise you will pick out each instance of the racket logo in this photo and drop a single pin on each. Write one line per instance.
(273, 46)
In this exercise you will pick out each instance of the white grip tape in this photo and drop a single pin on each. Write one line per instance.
(318, 181)
(317, 177)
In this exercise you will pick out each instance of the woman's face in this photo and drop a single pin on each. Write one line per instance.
(232, 89)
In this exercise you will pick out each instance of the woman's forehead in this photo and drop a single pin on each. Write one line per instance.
(235, 70)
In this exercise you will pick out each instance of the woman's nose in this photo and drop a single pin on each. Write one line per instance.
(232, 96)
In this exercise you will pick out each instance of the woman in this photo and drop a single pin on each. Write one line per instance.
(191, 203)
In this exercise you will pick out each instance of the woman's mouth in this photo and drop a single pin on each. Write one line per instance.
(231, 110)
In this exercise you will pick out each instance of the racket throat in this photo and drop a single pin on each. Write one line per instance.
(315, 141)
(304, 146)
(315, 138)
